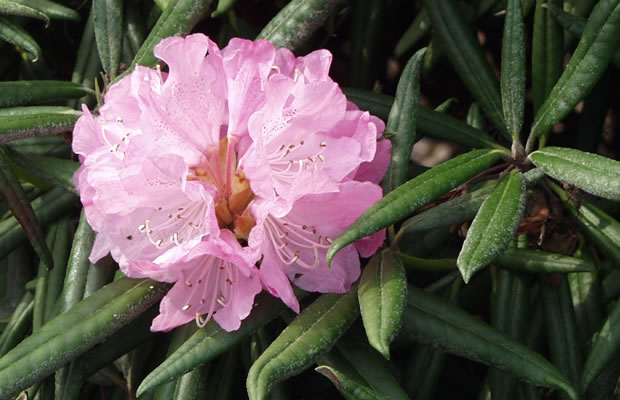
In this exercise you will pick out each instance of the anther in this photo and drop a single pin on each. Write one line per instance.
(186, 307)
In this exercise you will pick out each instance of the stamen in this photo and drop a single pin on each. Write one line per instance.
(186, 307)
(200, 321)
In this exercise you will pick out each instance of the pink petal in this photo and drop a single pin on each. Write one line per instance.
(213, 280)
(247, 65)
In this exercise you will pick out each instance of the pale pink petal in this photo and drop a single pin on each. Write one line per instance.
(192, 102)
(213, 279)
(100, 249)
(297, 243)
(247, 65)
(374, 170)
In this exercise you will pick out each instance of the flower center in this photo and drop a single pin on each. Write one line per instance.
(220, 170)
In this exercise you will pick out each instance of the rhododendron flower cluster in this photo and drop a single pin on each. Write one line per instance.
(228, 174)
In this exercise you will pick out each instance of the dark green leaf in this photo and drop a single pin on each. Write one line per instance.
(348, 387)
(75, 331)
(513, 69)
(593, 173)
(16, 35)
(467, 57)
(598, 43)
(417, 192)
(382, 295)
(312, 333)
(401, 123)
(52, 9)
(50, 169)
(9, 7)
(297, 21)
(108, 19)
(211, 341)
(605, 346)
(13, 127)
(19, 93)
(436, 321)
(494, 226)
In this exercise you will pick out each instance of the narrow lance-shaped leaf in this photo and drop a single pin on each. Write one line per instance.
(547, 52)
(10, 7)
(19, 93)
(457, 210)
(430, 122)
(13, 127)
(509, 315)
(312, 333)
(436, 321)
(75, 331)
(60, 253)
(56, 171)
(513, 69)
(70, 378)
(474, 116)
(223, 6)
(366, 41)
(467, 57)
(48, 207)
(593, 173)
(604, 348)
(382, 296)
(349, 388)
(494, 226)
(561, 328)
(525, 260)
(211, 341)
(108, 19)
(53, 9)
(369, 365)
(598, 43)
(18, 36)
(412, 195)
(19, 324)
(355, 386)
(87, 63)
(416, 31)
(297, 21)
(575, 26)
(540, 261)
(600, 228)
(401, 124)
(14, 196)
(77, 267)
(586, 294)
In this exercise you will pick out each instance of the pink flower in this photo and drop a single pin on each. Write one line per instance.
(216, 279)
(234, 158)
(294, 245)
